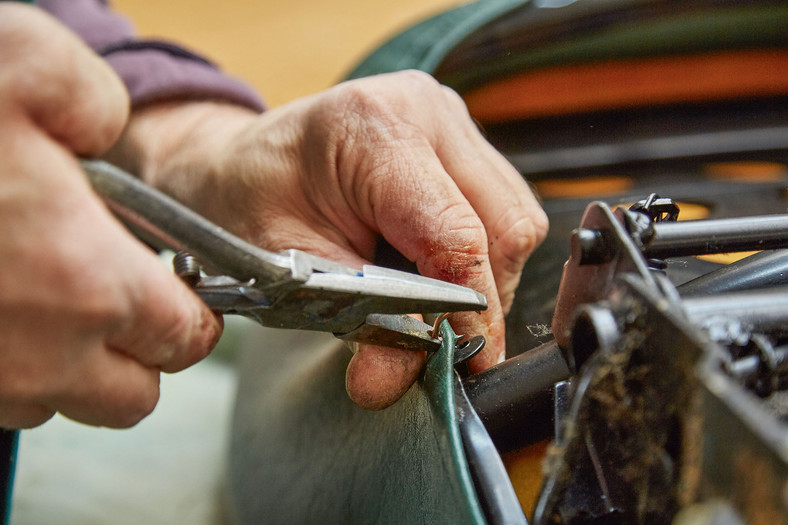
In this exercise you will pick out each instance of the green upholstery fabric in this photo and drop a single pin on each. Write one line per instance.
(302, 452)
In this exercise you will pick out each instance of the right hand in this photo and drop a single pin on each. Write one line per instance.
(89, 317)
(394, 156)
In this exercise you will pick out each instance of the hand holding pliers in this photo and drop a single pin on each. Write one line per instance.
(290, 289)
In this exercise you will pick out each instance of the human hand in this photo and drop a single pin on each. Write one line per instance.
(395, 156)
(88, 316)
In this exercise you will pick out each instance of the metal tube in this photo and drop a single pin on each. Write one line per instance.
(675, 239)
(763, 310)
(515, 398)
(762, 270)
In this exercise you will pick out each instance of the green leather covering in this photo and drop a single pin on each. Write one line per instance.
(302, 452)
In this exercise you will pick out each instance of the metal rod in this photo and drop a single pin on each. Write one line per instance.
(515, 398)
(763, 310)
(675, 239)
(762, 270)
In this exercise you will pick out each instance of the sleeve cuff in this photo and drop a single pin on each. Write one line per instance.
(151, 75)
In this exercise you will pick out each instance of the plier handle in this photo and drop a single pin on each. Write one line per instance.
(290, 289)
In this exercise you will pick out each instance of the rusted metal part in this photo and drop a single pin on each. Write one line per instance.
(745, 450)
(621, 459)
(664, 412)
(657, 422)
(589, 280)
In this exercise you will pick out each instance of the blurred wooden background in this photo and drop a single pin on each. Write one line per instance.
(286, 49)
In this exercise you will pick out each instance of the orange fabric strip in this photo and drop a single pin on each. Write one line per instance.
(631, 83)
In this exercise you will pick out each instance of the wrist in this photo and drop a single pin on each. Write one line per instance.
(162, 139)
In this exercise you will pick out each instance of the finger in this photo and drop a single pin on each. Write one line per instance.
(63, 86)
(447, 241)
(155, 318)
(391, 176)
(168, 326)
(513, 219)
(141, 306)
(435, 226)
(377, 376)
(107, 388)
(283, 231)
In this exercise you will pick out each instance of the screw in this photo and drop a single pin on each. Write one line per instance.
(187, 268)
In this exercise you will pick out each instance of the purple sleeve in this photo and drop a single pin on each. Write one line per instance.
(152, 70)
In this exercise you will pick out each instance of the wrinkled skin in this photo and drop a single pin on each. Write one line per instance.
(88, 316)
(394, 155)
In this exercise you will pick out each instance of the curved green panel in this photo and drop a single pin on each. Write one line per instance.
(424, 45)
(302, 452)
(490, 39)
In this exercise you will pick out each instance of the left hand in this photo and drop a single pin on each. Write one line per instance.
(394, 155)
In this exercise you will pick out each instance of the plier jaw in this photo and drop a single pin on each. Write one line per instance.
(291, 289)
(395, 331)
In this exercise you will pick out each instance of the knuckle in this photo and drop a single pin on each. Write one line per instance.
(170, 349)
(386, 96)
(464, 230)
(541, 224)
(88, 109)
(454, 99)
(460, 253)
(360, 102)
(418, 80)
(368, 121)
(468, 239)
(517, 234)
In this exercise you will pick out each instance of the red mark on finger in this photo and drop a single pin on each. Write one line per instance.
(451, 266)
